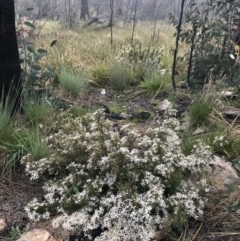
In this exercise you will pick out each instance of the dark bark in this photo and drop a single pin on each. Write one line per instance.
(10, 70)
(176, 47)
(134, 20)
(84, 10)
(111, 21)
(191, 55)
(237, 34)
(92, 21)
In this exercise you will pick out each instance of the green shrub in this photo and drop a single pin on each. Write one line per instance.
(200, 110)
(6, 122)
(7, 116)
(141, 60)
(35, 146)
(209, 41)
(37, 110)
(34, 62)
(79, 111)
(128, 183)
(100, 74)
(120, 76)
(75, 84)
(223, 142)
(24, 141)
(15, 234)
(155, 84)
(188, 142)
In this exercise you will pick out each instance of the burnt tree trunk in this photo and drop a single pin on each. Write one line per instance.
(84, 10)
(10, 70)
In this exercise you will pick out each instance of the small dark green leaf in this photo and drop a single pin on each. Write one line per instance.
(53, 42)
(49, 67)
(237, 166)
(30, 48)
(76, 190)
(20, 51)
(42, 51)
(33, 77)
(234, 207)
(232, 157)
(29, 24)
(36, 67)
(39, 56)
(33, 74)
(30, 9)
(47, 75)
(30, 59)
(231, 188)
(22, 56)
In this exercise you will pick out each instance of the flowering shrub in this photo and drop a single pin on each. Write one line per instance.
(220, 140)
(141, 60)
(129, 183)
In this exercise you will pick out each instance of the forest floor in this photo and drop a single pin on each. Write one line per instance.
(217, 224)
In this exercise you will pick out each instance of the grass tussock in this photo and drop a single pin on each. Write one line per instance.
(120, 76)
(37, 111)
(202, 107)
(75, 84)
(156, 84)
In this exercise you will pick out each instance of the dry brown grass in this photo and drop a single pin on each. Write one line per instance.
(217, 223)
(88, 48)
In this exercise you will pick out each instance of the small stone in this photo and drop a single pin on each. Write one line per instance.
(164, 105)
(222, 173)
(3, 224)
(228, 94)
(103, 92)
(199, 131)
(160, 234)
(37, 235)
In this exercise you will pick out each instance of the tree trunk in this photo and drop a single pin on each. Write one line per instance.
(10, 70)
(84, 10)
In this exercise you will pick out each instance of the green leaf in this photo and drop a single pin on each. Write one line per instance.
(33, 74)
(231, 188)
(20, 51)
(29, 24)
(53, 42)
(36, 71)
(234, 207)
(47, 75)
(76, 190)
(39, 56)
(42, 51)
(30, 9)
(49, 67)
(33, 77)
(30, 48)
(36, 67)
(237, 166)
(232, 158)
(28, 61)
